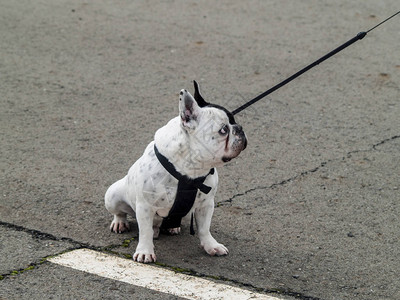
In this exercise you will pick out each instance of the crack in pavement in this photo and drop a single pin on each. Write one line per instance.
(39, 235)
(385, 141)
(305, 173)
(274, 185)
(36, 234)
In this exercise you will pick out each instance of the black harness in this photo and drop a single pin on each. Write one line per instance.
(185, 195)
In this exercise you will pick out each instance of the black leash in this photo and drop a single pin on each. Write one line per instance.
(359, 36)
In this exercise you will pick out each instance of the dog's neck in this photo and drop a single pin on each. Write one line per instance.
(176, 145)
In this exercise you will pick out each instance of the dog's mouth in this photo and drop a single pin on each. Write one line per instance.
(226, 159)
(238, 146)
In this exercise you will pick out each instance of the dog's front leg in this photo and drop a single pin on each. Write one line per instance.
(145, 248)
(203, 217)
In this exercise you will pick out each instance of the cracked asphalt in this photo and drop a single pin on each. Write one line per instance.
(310, 210)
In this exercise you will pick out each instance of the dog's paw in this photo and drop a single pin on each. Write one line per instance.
(215, 249)
(145, 252)
(171, 231)
(212, 247)
(119, 225)
(174, 231)
(144, 258)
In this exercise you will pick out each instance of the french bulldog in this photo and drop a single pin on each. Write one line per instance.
(184, 154)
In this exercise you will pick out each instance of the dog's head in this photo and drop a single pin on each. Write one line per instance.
(212, 128)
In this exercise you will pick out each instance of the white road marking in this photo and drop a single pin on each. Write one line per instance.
(151, 277)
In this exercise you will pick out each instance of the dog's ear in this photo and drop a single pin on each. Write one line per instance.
(189, 110)
(197, 96)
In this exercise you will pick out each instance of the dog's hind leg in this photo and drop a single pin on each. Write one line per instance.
(115, 202)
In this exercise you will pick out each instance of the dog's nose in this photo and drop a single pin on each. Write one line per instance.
(238, 131)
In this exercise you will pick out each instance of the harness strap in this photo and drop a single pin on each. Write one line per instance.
(185, 195)
(197, 182)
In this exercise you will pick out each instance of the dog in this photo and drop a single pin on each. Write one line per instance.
(176, 175)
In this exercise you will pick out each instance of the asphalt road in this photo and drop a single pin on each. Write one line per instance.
(310, 210)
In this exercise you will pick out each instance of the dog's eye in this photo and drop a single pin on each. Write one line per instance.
(224, 130)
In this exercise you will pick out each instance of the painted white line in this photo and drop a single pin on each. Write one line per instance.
(151, 277)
